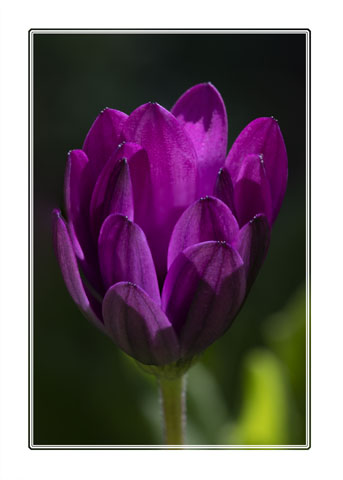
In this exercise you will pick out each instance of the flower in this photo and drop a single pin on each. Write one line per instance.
(165, 234)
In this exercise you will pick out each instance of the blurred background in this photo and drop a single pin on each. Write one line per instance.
(249, 387)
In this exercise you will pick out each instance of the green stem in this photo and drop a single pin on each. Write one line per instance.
(173, 396)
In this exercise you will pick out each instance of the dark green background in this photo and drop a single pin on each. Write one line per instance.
(249, 387)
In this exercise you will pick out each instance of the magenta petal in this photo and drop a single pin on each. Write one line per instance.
(252, 191)
(77, 189)
(206, 219)
(142, 188)
(140, 179)
(252, 244)
(124, 189)
(202, 113)
(69, 268)
(172, 161)
(224, 189)
(262, 136)
(112, 194)
(103, 138)
(74, 198)
(203, 291)
(124, 255)
(138, 325)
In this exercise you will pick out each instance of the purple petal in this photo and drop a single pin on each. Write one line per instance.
(112, 194)
(77, 189)
(252, 191)
(203, 291)
(124, 255)
(202, 113)
(142, 188)
(262, 136)
(74, 198)
(224, 189)
(206, 219)
(252, 244)
(173, 172)
(138, 325)
(103, 138)
(70, 272)
(140, 175)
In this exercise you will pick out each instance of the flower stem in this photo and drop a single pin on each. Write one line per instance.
(173, 397)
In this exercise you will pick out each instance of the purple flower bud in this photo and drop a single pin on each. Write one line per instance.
(159, 250)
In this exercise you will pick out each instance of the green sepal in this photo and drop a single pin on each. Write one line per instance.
(170, 371)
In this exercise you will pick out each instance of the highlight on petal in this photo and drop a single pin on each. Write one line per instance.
(103, 138)
(203, 291)
(224, 189)
(252, 191)
(252, 244)
(262, 136)
(172, 160)
(69, 268)
(206, 219)
(112, 194)
(201, 111)
(124, 255)
(139, 326)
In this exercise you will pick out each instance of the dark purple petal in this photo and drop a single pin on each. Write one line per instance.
(172, 161)
(138, 325)
(262, 136)
(252, 244)
(124, 255)
(112, 194)
(77, 190)
(74, 198)
(69, 268)
(252, 190)
(206, 219)
(202, 113)
(142, 188)
(224, 189)
(140, 179)
(203, 291)
(103, 138)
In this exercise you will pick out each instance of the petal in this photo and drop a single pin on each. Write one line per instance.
(203, 291)
(112, 194)
(224, 189)
(252, 191)
(206, 219)
(172, 161)
(138, 325)
(103, 138)
(262, 136)
(142, 187)
(139, 169)
(74, 198)
(70, 272)
(202, 113)
(124, 255)
(77, 189)
(252, 244)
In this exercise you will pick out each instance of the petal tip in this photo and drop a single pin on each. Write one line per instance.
(57, 214)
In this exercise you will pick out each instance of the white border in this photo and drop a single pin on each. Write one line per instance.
(31, 260)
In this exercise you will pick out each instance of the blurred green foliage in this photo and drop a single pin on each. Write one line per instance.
(263, 419)
(249, 387)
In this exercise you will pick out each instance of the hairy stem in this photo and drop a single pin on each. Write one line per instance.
(173, 397)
